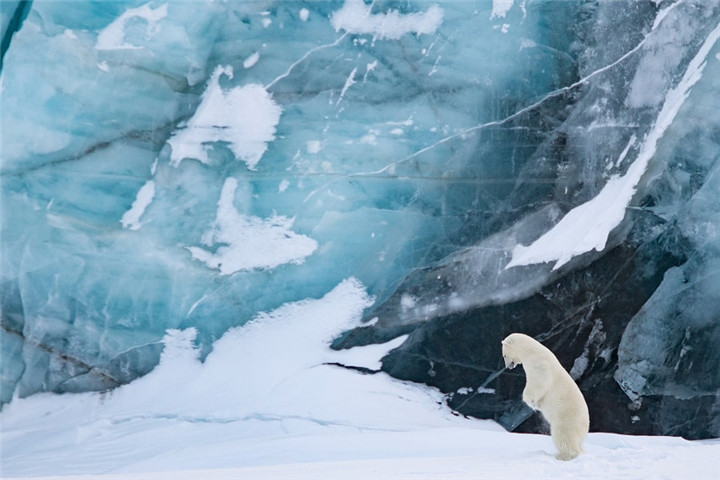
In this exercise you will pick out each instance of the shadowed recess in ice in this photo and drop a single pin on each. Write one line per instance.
(168, 165)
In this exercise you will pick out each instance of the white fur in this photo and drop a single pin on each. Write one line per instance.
(551, 390)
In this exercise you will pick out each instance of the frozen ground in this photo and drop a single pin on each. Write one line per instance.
(270, 402)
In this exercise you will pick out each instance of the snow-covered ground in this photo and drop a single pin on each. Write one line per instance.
(270, 402)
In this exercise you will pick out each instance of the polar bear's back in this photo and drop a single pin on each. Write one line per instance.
(565, 400)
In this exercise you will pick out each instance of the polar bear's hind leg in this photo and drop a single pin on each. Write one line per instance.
(566, 439)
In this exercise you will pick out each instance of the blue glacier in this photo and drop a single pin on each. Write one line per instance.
(545, 166)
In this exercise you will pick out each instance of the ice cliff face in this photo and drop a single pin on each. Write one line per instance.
(481, 167)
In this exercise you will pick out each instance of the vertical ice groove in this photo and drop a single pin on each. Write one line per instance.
(12, 25)
(590, 224)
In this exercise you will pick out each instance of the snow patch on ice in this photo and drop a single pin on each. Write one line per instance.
(587, 226)
(314, 146)
(243, 117)
(500, 8)
(349, 82)
(625, 151)
(112, 37)
(240, 242)
(131, 218)
(369, 356)
(357, 18)
(251, 60)
(369, 68)
(407, 301)
(404, 123)
(527, 43)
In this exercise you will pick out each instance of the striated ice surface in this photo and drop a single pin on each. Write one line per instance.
(176, 165)
(626, 108)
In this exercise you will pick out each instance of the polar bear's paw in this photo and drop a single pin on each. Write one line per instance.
(567, 441)
(565, 456)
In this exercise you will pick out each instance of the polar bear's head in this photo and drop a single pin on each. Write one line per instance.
(512, 349)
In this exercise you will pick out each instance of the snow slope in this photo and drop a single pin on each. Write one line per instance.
(449, 454)
(271, 402)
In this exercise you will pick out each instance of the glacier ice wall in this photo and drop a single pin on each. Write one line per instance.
(479, 166)
(168, 165)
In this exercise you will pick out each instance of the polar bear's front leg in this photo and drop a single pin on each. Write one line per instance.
(532, 400)
(534, 393)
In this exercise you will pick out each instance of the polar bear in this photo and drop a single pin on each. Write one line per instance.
(551, 390)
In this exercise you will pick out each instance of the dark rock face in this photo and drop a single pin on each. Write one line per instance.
(637, 324)
(581, 317)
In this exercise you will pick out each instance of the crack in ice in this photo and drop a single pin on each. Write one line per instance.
(529, 108)
(303, 58)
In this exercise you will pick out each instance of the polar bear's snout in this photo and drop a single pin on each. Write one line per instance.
(509, 364)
